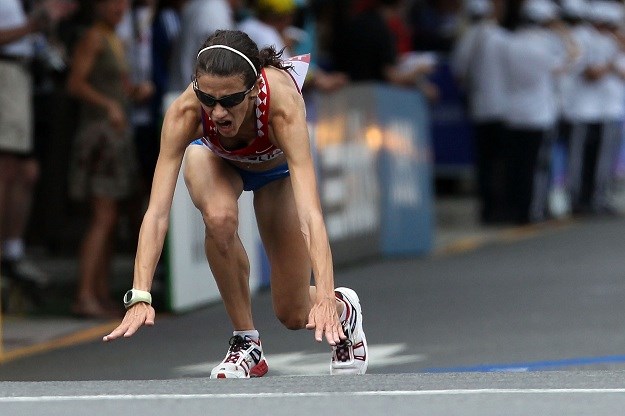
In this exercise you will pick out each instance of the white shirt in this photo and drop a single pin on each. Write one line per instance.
(586, 102)
(12, 16)
(199, 19)
(531, 60)
(476, 60)
(610, 87)
(617, 107)
(263, 35)
(577, 97)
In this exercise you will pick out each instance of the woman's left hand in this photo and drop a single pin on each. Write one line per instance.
(324, 320)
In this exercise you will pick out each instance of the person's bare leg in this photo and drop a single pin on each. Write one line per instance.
(215, 187)
(93, 250)
(103, 287)
(20, 196)
(8, 172)
(292, 294)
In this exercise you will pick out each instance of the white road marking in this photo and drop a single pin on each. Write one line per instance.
(451, 392)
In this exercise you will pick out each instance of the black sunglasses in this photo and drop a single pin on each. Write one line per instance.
(226, 102)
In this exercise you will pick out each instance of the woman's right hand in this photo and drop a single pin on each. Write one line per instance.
(137, 315)
(116, 116)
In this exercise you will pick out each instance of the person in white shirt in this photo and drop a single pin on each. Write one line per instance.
(199, 19)
(263, 27)
(19, 168)
(271, 24)
(609, 18)
(537, 52)
(578, 104)
(585, 106)
(476, 64)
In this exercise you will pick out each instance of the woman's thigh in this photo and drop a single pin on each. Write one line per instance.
(284, 243)
(214, 186)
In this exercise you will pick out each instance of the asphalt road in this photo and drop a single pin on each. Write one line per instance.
(475, 394)
(530, 323)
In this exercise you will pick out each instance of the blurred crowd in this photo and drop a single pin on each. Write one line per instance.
(543, 79)
(84, 84)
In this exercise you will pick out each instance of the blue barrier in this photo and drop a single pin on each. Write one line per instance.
(374, 162)
(405, 174)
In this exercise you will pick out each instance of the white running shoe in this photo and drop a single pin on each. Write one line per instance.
(244, 359)
(351, 356)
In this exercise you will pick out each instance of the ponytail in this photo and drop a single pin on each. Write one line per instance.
(270, 57)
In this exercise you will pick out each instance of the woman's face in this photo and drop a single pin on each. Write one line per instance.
(112, 11)
(228, 118)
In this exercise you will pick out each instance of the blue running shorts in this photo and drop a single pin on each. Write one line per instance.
(253, 181)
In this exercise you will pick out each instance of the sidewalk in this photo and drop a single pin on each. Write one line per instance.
(26, 331)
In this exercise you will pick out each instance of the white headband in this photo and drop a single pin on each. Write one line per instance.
(231, 50)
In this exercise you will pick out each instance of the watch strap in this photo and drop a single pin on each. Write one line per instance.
(134, 296)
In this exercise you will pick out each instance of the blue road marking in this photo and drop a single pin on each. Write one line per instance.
(530, 366)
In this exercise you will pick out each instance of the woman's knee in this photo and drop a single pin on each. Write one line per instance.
(293, 318)
(221, 225)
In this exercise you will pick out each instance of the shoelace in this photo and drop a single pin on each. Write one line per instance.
(237, 343)
(342, 350)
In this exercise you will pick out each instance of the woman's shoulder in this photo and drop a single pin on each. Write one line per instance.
(283, 91)
(185, 103)
(182, 119)
(285, 101)
(280, 82)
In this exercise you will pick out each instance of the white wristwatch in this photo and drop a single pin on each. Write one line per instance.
(135, 296)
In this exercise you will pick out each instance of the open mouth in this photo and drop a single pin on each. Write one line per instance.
(223, 124)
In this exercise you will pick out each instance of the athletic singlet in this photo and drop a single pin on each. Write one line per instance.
(260, 149)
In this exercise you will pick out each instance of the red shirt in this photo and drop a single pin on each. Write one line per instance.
(260, 149)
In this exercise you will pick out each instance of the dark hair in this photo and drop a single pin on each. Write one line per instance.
(222, 62)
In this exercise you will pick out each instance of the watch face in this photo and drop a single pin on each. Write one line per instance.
(128, 296)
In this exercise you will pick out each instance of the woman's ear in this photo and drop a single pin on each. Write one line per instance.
(254, 94)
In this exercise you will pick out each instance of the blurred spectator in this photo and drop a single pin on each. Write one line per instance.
(584, 103)
(539, 49)
(267, 24)
(135, 30)
(476, 62)
(329, 17)
(435, 24)
(19, 168)
(322, 74)
(272, 25)
(577, 108)
(103, 169)
(165, 33)
(369, 50)
(199, 19)
(609, 20)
